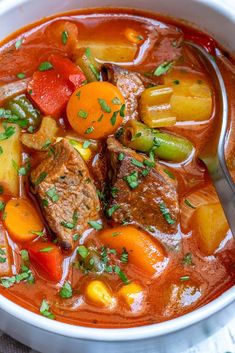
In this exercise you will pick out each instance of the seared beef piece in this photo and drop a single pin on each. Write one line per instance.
(63, 180)
(145, 203)
(130, 85)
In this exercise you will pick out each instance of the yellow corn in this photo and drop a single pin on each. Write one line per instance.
(84, 152)
(132, 294)
(98, 293)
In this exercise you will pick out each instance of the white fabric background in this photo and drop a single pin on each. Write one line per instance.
(221, 342)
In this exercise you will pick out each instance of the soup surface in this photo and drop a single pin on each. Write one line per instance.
(108, 215)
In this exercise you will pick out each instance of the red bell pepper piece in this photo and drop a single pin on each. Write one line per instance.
(49, 259)
(51, 89)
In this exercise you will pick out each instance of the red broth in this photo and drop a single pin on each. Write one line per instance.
(190, 278)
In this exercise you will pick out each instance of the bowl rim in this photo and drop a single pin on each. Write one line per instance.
(120, 334)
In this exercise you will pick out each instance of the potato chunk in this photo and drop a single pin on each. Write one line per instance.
(10, 151)
(111, 52)
(192, 97)
(211, 227)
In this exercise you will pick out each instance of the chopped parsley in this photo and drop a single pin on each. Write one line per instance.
(76, 237)
(89, 130)
(124, 256)
(38, 233)
(52, 194)
(45, 310)
(83, 251)
(135, 136)
(163, 68)
(116, 101)
(166, 214)
(66, 291)
(100, 118)
(121, 156)
(111, 210)
(95, 225)
(86, 144)
(2, 206)
(1, 189)
(94, 71)
(8, 132)
(114, 191)
(169, 173)
(22, 171)
(88, 52)
(137, 163)
(64, 37)
(26, 274)
(188, 259)
(71, 225)
(82, 114)
(188, 203)
(139, 37)
(184, 278)
(1, 150)
(47, 249)
(24, 255)
(148, 163)
(21, 75)
(45, 66)
(113, 119)
(122, 111)
(132, 179)
(41, 177)
(18, 43)
(176, 82)
(104, 106)
(121, 274)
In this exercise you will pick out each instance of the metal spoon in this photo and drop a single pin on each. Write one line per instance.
(213, 154)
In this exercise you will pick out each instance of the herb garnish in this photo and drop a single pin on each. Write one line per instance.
(116, 101)
(47, 249)
(111, 210)
(71, 225)
(64, 37)
(21, 75)
(41, 177)
(8, 132)
(113, 119)
(104, 106)
(95, 225)
(66, 291)
(51, 193)
(89, 130)
(2, 205)
(83, 251)
(44, 66)
(121, 156)
(83, 114)
(163, 68)
(184, 278)
(137, 163)
(132, 179)
(187, 259)
(188, 203)
(26, 274)
(122, 111)
(166, 214)
(169, 173)
(45, 310)
(18, 43)
(121, 274)
(124, 256)
(86, 144)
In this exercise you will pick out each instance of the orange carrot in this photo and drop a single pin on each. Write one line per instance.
(96, 109)
(133, 36)
(22, 220)
(144, 252)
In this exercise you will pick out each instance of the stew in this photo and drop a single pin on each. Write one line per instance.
(108, 216)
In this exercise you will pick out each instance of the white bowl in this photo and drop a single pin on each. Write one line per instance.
(47, 336)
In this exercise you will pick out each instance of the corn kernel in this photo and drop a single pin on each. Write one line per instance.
(99, 294)
(133, 295)
(84, 152)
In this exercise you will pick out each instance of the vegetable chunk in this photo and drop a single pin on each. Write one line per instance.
(144, 252)
(11, 151)
(211, 227)
(22, 220)
(99, 294)
(96, 110)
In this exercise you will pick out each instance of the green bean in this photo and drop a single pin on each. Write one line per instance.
(22, 108)
(166, 146)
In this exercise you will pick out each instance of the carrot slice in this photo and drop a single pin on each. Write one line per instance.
(144, 252)
(22, 220)
(48, 257)
(96, 109)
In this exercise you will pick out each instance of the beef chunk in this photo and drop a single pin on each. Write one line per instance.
(141, 193)
(68, 195)
(131, 87)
